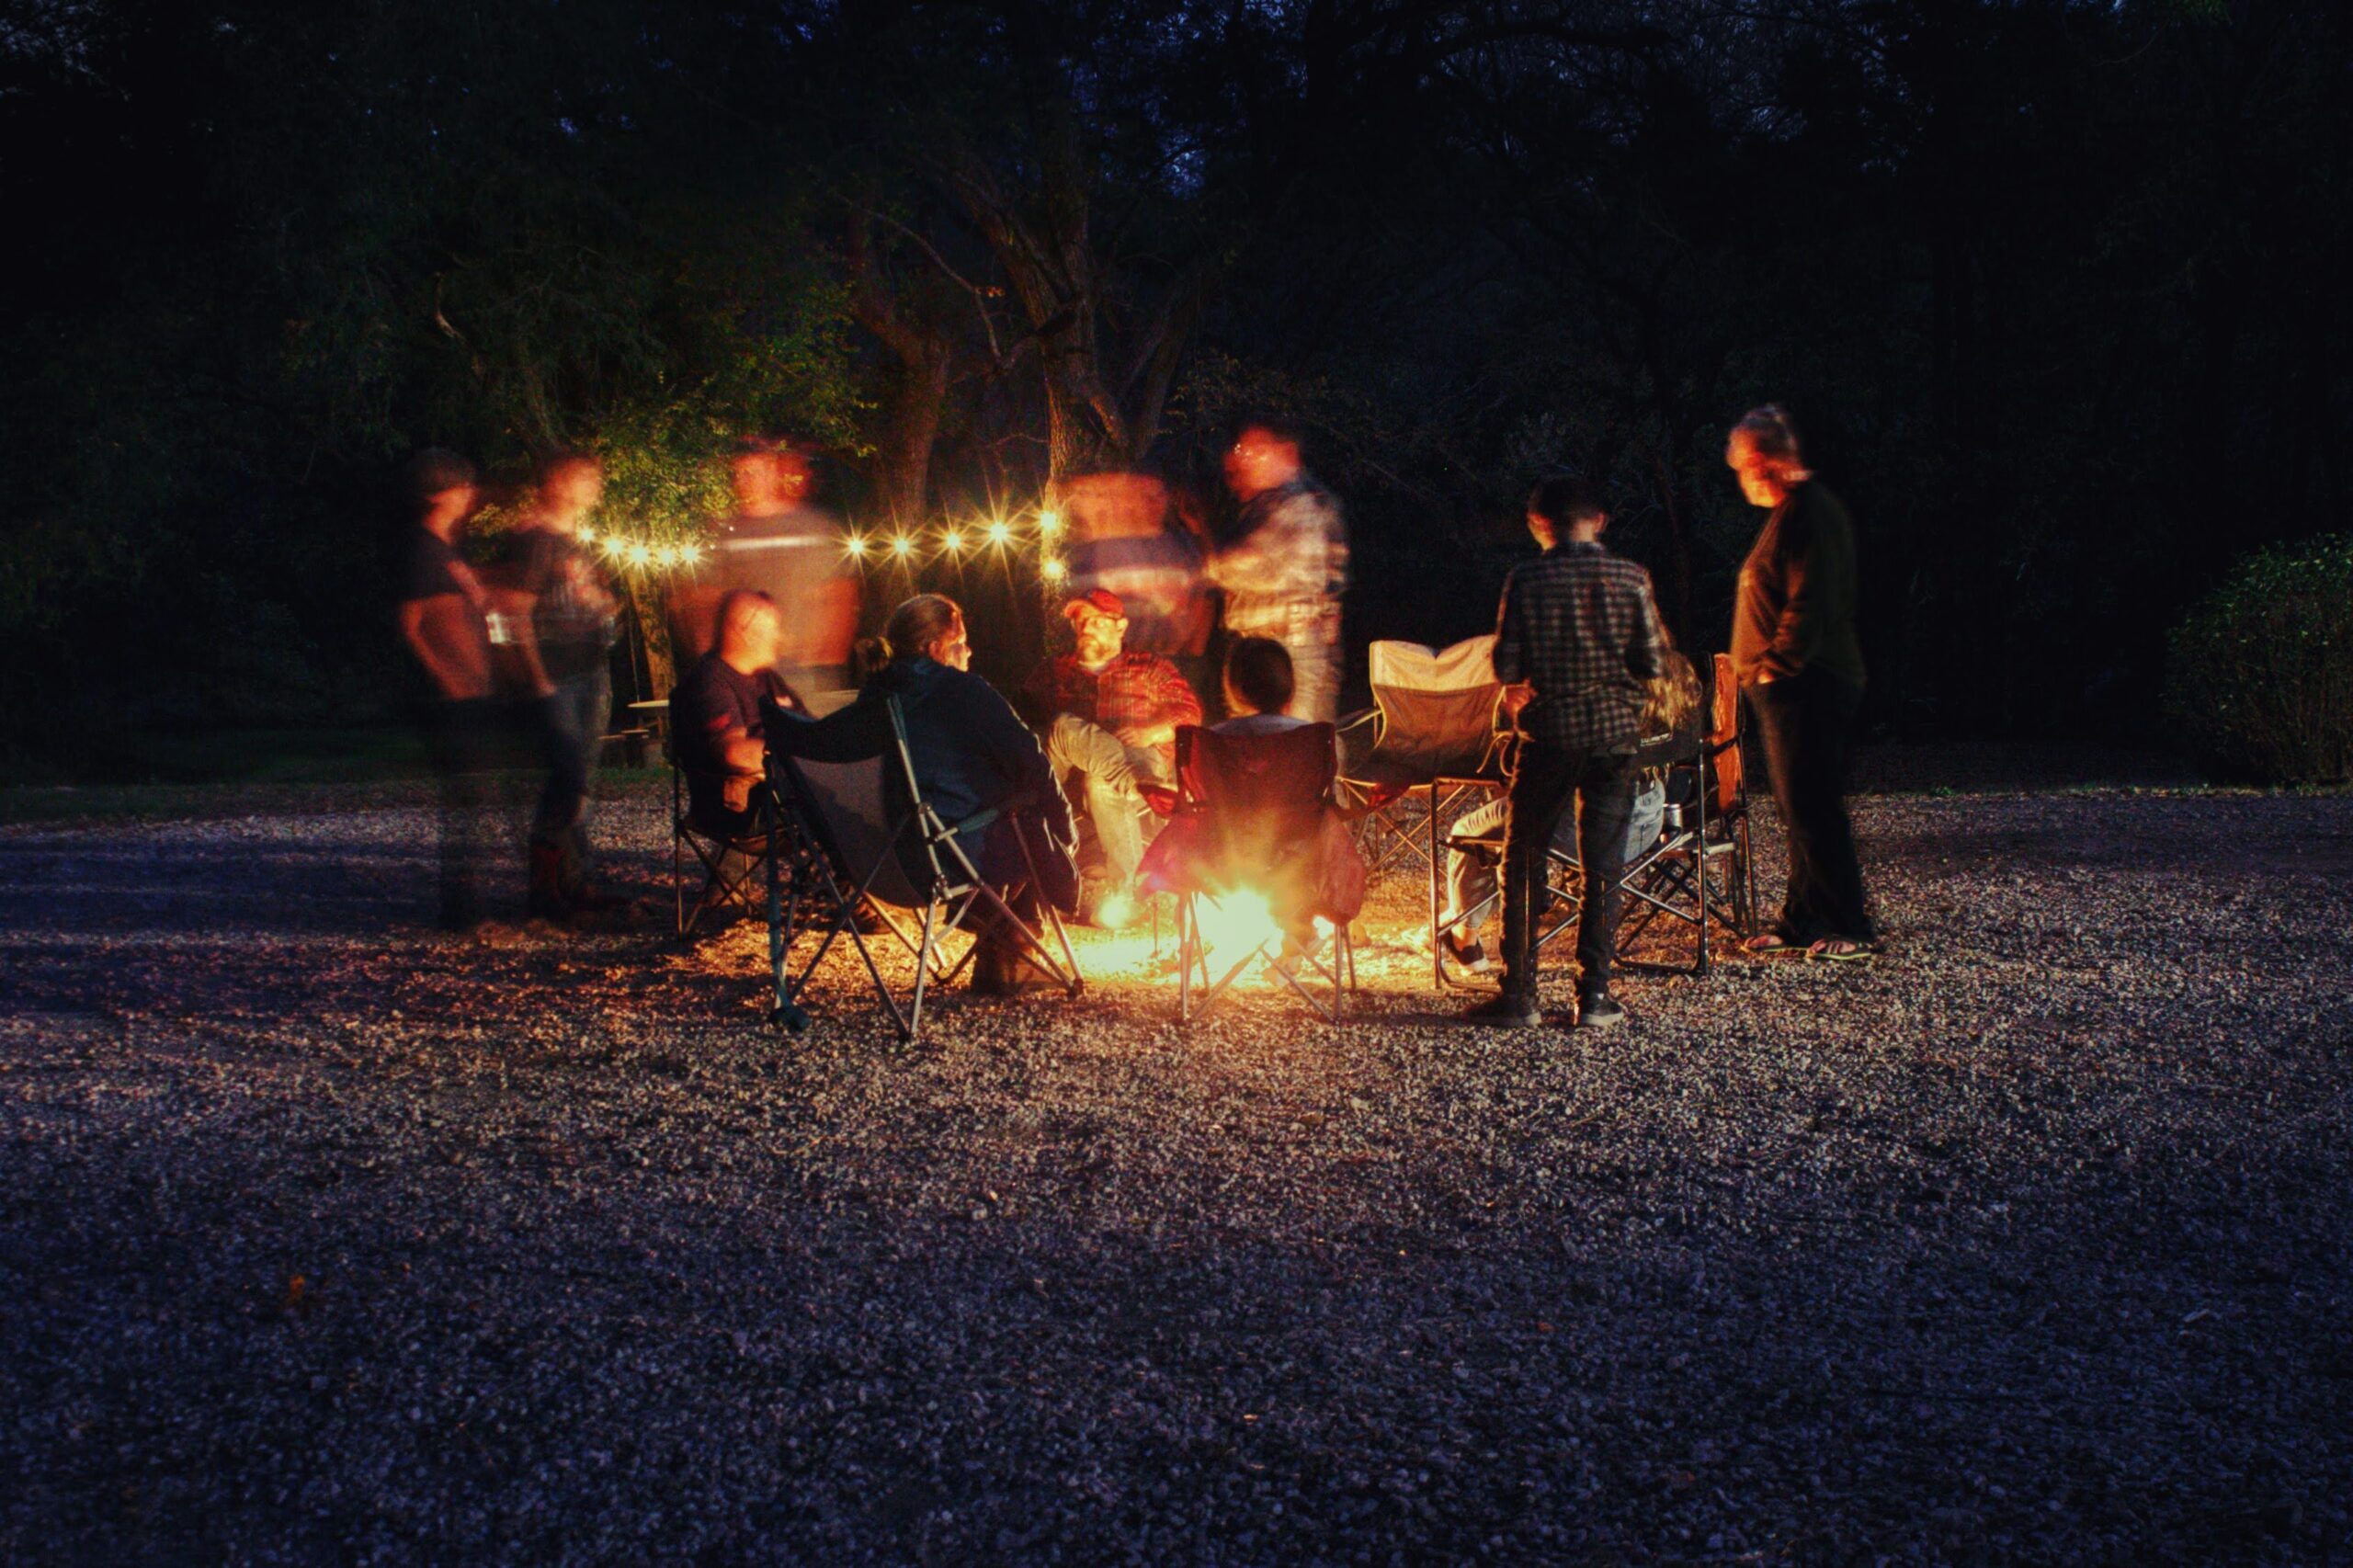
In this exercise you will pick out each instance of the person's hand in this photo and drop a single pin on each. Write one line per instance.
(1146, 736)
(1517, 695)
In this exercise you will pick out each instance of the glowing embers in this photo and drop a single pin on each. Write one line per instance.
(1235, 925)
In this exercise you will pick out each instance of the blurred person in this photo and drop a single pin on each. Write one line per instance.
(1578, 632)
(1324, 877)
(1288, 564)
(443, 620)
(717, 714)
(1670, 716)
(1110, 715)
(563, 621)
(1127, 537)
(972, 752)
(780, 544)
(1800, 671)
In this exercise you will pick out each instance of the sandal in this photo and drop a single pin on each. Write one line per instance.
(1764, 944)
(1839, 949)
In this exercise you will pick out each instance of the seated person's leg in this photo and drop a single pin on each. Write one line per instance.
(1108, 768)
(1470, 873)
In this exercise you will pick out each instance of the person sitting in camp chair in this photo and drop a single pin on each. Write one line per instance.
(1109, 714)
(971, 754)
(716, 718)
(1305, 860)
(1474, 841)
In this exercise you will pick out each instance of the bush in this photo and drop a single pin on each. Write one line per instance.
(2261, 670)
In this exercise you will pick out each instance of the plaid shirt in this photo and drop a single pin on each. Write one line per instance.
(1284, 575)
(1580, 627)
(1134, 688)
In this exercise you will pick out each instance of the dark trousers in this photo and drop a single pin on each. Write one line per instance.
(1548, 781)
(460, 741)
(1807, 725)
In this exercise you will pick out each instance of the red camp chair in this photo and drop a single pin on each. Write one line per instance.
(1250, 832)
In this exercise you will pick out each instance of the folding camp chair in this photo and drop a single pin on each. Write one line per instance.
(732, 863)
(1702, 869)
(1564, 890)
(864, 850)
(1433, 730)
(1247, 837)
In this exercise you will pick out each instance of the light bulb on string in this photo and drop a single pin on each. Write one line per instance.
(954, 540)
(1053, 569)
(1049, 524)
(902, 547)
(1000, 533)
(855, 545)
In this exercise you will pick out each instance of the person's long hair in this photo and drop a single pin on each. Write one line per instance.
(912, 628)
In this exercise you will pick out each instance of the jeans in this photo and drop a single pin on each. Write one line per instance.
(1545, 785)
(1807, 725)
(571, 730)
(1315, 681)
(1471, 874)
(1108, 768)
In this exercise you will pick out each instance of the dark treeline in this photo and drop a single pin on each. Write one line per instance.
(2056, 288)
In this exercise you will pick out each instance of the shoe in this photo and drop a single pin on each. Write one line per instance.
(1505, 1011)
(1600, 1012)
(1468, 952)
(1764, 944)
(1839, 949)
(996, 973)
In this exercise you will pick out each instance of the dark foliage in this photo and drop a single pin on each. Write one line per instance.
(2261, 675)
(2055, 286)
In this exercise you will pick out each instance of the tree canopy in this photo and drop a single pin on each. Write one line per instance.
(2053, 288)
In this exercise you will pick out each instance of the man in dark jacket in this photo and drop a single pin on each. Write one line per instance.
(1577, 640)
(1801, 668)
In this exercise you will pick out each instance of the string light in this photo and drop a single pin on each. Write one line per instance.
(1000, 533)
(857, 547)
(1051, 569)
(902, 547)
(668, 556)
(1050, 523)
(638, 555)
(954, 541)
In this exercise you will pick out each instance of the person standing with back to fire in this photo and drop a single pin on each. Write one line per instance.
(1287, 565)
(1576, 641)
(1801, 669)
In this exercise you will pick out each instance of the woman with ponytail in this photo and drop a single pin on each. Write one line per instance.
(970, 753)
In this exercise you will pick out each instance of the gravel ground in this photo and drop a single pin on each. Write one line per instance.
(330, 1239)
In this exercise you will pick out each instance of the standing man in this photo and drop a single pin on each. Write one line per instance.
(1801, 668)
(563, 621)
(1285, 571)
(1109, 714)
(443, 622)
(1577, 640)
(778, 544)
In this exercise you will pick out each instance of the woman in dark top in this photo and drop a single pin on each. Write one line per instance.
(1801, 668)
(970, 753)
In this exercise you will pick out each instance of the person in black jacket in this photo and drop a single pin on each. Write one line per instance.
(971, 753)
(1801, 669)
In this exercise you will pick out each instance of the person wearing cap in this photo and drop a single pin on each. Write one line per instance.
(775, 543)
(1110, 716)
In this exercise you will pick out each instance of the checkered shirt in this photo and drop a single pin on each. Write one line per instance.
(1580, 626)
(1134, 688)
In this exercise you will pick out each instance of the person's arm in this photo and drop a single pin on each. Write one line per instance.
(1285, 555)
(436, 630)
(860, 730)
(1014, 754)
(1817, 581)
(1179, 703)
(516, 599)
(1646, 655)
(1510, 637)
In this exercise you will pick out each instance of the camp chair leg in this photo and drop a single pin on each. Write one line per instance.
(922, 971)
